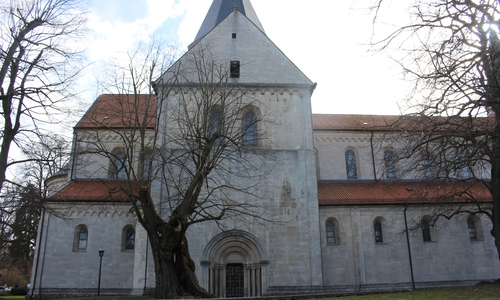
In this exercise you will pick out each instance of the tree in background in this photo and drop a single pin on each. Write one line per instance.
(21, 205)
(37, 68)
(26, 214)
(450, 49)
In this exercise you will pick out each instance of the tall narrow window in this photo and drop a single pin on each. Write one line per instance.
(425, 165)
(216, 126)
(83, 236)
(250, 129)
(330, 233)
(234, 70)
(147, 166)
(129, 238)
(378, 232)
(471, 225)
(464, 168)
(390, 165)
(426, 230)
(350, 163)
(120, 164)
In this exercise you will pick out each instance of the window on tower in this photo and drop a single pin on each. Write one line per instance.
(234, 70)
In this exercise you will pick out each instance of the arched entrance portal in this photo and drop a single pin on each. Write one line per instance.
(233, 265)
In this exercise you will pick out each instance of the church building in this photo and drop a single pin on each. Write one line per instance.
(345, 216)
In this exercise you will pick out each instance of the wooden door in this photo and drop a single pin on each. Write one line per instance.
(234, 280)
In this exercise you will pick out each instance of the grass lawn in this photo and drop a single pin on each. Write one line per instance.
(10, 297)
(482, 291)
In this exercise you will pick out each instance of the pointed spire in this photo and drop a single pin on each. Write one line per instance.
(220, 9)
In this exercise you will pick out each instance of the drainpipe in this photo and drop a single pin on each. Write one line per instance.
(373, 156)
(73, 156)
(408, 244)
(146, 267)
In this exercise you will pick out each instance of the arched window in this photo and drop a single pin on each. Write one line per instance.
(118, 164)
(216, 126)
(250, 129)
(378, 231)
(330, 233)
(147, 165)
(121, 164)
(350, 164)
(425, 165)
(82, 236)
(464, 168)
(390, 164)
(426, 230)
(471, 225)
(128, 238)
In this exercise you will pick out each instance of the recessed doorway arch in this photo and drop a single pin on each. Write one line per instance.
(234, 265)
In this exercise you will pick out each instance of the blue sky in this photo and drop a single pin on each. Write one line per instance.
(323, 38)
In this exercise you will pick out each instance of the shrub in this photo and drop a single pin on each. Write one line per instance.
(19, 291)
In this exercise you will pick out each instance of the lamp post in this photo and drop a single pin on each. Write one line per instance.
(101, 254)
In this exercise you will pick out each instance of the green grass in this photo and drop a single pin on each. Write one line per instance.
(482, 291)
(10, 297)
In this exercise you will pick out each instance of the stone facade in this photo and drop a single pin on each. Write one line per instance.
(356, 262)
(65, 270)
(292, 254)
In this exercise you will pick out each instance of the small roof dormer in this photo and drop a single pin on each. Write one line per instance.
(220, 9)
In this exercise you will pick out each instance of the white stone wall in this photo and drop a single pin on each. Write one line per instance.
(288, 190)
(93, 149)
(358, 262)
(369, 148)
(64, 269)
(290, 243)
(331, 147)
(287, 193)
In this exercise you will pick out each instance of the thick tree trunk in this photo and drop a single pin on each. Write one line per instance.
(185, 271)
(495, 193)
(495, 186)
(174, 268)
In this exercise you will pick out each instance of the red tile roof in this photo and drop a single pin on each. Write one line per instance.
(329, 193)
(352, 122)
(363, 193)
(400, 123)
(91, 191)
(120, 111)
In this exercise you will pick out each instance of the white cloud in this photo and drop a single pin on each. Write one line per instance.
(323, 38)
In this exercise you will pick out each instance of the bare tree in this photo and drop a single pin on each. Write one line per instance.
(21, 202)
(451, 51)
(197, 142)
(37, 68)
(47, 157)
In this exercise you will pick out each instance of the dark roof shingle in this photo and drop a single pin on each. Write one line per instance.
(363, 193)
(120, 111)
(91, 191)
(352, 122)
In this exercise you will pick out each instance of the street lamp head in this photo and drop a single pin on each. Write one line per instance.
(101, 252)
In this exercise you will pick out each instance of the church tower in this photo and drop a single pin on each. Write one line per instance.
(244, 257)
(220, 9)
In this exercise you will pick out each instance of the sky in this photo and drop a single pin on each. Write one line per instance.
(326, 39)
